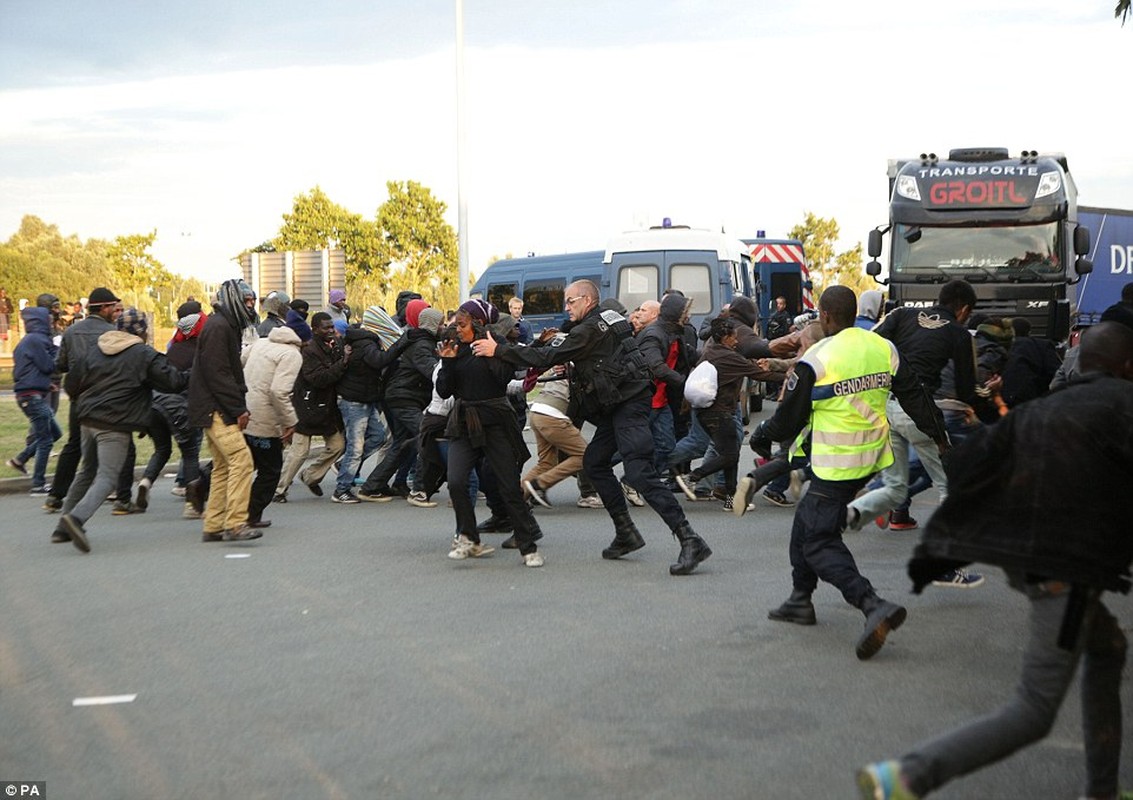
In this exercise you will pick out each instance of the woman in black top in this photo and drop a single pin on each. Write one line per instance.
(482, 425)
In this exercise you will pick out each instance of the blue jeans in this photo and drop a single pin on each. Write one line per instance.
(693, 445)
(903, 433)
(364, 433)
(664, 437)
(46, 432)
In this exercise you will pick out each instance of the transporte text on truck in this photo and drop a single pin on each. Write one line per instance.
(1008, 226)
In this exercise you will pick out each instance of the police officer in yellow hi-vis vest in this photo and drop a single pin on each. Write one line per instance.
(837, 396)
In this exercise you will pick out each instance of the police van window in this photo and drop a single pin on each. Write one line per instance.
(545, 297)
(499, 294)
(637, 283)
(695, 281)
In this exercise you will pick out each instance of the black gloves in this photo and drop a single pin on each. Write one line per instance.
(760, 442)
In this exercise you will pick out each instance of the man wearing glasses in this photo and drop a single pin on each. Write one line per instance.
(613, 384)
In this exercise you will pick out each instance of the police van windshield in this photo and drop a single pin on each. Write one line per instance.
(1021, 252)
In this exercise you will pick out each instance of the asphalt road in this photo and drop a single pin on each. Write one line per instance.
(344, 656)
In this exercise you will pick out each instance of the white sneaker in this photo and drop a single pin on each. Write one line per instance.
(460, 546)
(632, 495)
(177, 491)
(591, 501)
(533, 560)
(463, 547)
(190, 513)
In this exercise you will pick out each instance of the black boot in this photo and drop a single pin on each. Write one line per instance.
(626, 536)
(798, 609)
(494, 524)
(194, 495)
(881, 617)
(693, 550)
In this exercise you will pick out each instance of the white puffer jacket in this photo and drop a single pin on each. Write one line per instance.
(271, 366)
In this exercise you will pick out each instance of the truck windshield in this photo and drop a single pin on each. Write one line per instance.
(1027, 252)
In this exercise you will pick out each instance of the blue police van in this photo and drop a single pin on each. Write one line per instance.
(709, 268)
(540, 282)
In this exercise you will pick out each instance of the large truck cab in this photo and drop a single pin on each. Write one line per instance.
(1009, 226)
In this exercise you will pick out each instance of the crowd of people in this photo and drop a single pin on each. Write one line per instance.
(907, 399)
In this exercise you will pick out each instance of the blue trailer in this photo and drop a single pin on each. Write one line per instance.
(1111, 250)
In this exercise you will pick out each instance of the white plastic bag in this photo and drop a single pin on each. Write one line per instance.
(701, 385)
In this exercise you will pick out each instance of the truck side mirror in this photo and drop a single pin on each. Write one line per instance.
(873, 247)
(1081, 241)
(873, 268)
(1083, 266)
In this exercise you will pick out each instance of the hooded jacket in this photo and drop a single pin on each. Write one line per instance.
(656, 341)
(118, 382)
(33, 365)
(314, 396)
(363, 381)
(749, 344)
(869, 309)
(218, 376)
(271, 366)
(411, 381)
(403, 298)
(78, 340)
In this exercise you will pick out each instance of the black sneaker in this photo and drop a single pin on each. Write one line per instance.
(316, 489)
(777, 498)
(345, 496)
(17, 466)
(142, 494)
(40, 491)
(52, 504)
(77, 532)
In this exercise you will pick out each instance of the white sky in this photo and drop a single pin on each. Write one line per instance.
(585, 119)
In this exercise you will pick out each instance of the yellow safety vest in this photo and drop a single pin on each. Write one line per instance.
(848, 427)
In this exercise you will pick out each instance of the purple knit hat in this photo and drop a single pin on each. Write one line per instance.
(481, 310)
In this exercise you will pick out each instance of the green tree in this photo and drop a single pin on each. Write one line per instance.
(1122, 10)
(420, 247)
(38, 259)
(828, 268)
(315, 223)
(135, 270)
(407, 246)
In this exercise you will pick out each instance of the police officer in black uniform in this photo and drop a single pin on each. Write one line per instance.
(612, 382)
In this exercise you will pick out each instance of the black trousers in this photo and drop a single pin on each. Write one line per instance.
(69, 456)
(817, 550)
(431, 470)
(267, 457)
(404, 425)
(625, 430)
(462, 458)
(726, 446)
